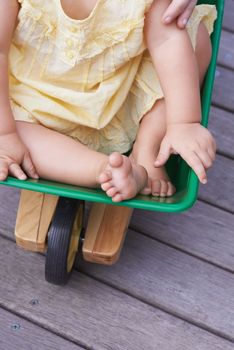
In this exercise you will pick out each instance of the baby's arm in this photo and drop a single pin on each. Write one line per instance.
(176, 66)
(13, 152)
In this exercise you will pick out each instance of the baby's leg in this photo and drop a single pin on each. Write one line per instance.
(60, 158)
(146, 147)
(153, 127)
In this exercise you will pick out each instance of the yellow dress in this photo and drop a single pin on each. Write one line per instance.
(91, 79)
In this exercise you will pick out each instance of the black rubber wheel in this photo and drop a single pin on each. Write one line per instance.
(63, 240)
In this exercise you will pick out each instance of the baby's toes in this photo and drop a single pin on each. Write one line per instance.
(164, 188)
(112, 192)
(171, 189)
(147, 189)
(116, 160)
(106, 186)
(117, 198)
(156, 187)
(105, 176)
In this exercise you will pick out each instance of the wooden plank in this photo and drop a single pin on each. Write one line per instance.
(105, 233)
(179, 283)
(221, 124)
(17, 333)
(34, 215)
(226, 49)
(228, 22)
(223, 89)
(28, 218)
(97, 316)
(219, 190)
(211, 240)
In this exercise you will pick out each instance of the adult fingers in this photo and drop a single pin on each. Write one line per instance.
(28, 166)
(174, 10)
(185, 15)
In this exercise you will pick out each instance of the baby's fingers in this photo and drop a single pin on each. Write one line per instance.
(184, 17)
(211, 149)
(174, 10)
(164, 153)
(29, 167)
(16, 171)
(211, 153)
(207, 161)
(196, 164)
(3, 170)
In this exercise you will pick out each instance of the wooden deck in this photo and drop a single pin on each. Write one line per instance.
(173, 287)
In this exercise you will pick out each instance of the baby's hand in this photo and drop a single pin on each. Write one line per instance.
(14, 157)
(193, 142)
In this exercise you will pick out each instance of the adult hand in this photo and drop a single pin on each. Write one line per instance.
(180, 10)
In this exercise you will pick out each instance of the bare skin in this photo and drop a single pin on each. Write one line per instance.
(180, 10)
(68, 163)
(122, 178)
(32, 150)
(153, 129)
(146, 148)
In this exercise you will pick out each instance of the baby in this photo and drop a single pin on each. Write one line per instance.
(90, 80)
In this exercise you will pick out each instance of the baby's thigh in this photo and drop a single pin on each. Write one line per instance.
(60, 158)
(44, 146)
(37, 138)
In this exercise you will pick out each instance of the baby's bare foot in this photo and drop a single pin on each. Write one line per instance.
(122, 179)
(158, 183)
